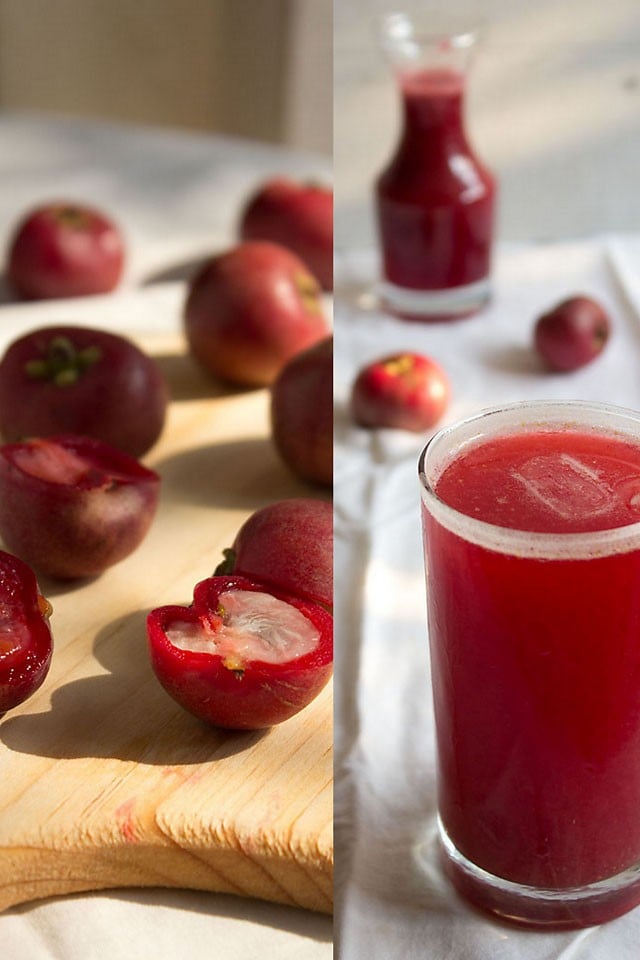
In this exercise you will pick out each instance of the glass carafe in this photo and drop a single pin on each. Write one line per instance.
(435, 200)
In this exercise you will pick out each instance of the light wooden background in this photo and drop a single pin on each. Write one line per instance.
(255, 68)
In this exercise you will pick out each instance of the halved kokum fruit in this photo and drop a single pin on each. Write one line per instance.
(243, 656)
(25, 637)
(72, 506)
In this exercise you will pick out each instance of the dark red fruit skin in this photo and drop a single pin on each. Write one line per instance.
(289, 546)
(249, 310)
(298, 216)
(572, 334)
(65, 250)
(121, 398)
(259, 696)
(405, 391)
(301, 413)
(75, 530)
(22, 670)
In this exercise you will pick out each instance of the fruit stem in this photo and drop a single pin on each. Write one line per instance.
(228, 565)
(309, 292)
(70, 216)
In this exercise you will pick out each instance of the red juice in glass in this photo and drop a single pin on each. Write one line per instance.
(435, 200)
(532, 540)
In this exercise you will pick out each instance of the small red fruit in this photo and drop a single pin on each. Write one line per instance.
(65, 250)
(25, 637)
(405, 391)
(572, 334)
(249, 310)
(298, 216)
(78, 380)
(73, 506)
(287, 545)
(243, 656)
(302, 413)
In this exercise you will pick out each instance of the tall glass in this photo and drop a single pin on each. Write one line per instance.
(435, 200)
(531, 518)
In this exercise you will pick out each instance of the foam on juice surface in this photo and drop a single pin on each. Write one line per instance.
(547, 482)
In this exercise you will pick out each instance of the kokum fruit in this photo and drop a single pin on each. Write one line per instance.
(302, 414)
(251, 309)
(572, 334)
(298, 216)
(288, 545)
(404, 391)
(79, 380)
(65, 250)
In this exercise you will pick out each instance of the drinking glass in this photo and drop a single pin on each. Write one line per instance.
(531, 520)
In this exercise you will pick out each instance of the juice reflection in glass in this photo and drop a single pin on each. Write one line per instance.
(435, 199)
(531, 521)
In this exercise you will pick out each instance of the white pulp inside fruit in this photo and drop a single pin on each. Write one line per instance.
(51, 461)
(255, 626)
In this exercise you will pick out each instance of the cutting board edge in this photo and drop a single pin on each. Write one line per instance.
(40, 873)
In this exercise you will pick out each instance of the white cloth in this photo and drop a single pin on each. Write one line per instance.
(385, 800)
(162, 925)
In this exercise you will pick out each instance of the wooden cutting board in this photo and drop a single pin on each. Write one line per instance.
(104, 780)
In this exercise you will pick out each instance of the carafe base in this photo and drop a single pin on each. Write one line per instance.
(433, 306)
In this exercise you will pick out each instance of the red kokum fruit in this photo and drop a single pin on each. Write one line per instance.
(298, 216)
(72, 506)
(287, 545)
(302, 414)
(78, 380)
(572, 334)
(25, 637)
(243, 656)
(405, 391)
(249, 310)
(65, 250)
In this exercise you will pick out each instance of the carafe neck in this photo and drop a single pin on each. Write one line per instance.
(433, 105)
(431, 69)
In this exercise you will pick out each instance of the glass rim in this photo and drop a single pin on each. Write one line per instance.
(460, 33)
(524, 543)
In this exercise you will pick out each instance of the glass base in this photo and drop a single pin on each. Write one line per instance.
(433, 306)
(554, 909)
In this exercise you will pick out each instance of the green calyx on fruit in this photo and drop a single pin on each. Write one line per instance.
(226, 566)
(62, 362)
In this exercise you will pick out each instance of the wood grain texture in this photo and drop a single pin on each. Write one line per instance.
(104, 780)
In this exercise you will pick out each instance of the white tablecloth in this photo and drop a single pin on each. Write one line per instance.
(385, 798)
(177, 197)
